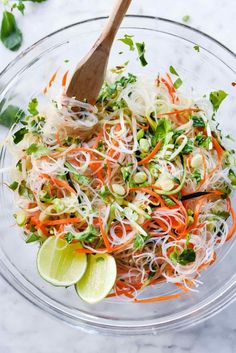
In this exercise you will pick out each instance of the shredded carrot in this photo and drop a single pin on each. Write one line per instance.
(150, 155)
(220, 152)
(160, 298)
(98, 138)
(233, 214)
(52, 79)
(179, 111)
(58, 182)
(61, 221)
(104, 235)
(64, 79)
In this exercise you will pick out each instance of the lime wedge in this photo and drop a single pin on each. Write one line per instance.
(98, 279)
(59, 264)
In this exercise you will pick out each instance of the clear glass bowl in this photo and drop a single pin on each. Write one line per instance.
(167, 43)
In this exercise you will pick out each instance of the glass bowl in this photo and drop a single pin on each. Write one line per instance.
(167, 43)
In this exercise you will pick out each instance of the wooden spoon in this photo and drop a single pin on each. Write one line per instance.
(88, 77)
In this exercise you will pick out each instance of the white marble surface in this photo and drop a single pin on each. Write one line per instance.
(25, 329)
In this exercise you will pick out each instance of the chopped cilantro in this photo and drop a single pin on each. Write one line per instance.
(24, 191)
(197, 48)
(105, 193)
(127, 39)
(187, 256)
(216, 98)
(89, 235)
(125, 171)
(176, 134)
(198, 121)
(81, 179)
(19, 135)
(109, 91)
(14, 185)
(69, 237)
(141, 53)
(162, 129)
(32, 237)
(188, 148)
(32, 107)
(202, 141)
(138, 241)
(19, 165)
(12, 114)
(232, 177)
(197, 176)
(173, 71)
(37, 150)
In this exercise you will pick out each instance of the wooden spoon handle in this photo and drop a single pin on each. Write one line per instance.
(114, 21)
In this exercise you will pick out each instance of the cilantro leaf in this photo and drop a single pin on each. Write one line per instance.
(187, 256)
(197, 176)
(32, 237)
(176, 134)
(198, 121)
(162, 129)
(19, 6)
(188, 148)
(141, 52)
(10, 115)
(109, 91)
(14, 185)
(138, 241)
(173, 71)
(127, 39)
(202, 141)
(32, 107)
(37, 150)
(197, 48)
(232, 177)
(19, 135)
(81, 179)
(10, 34)
(69, 237)
(89, 235)
(216, 98)
(125, 171)
(24, 191)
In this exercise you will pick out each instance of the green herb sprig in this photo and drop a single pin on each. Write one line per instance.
(10, 34)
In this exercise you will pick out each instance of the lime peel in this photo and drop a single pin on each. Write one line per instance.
(98, 279)
(59, 264)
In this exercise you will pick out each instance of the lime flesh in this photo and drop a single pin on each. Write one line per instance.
(98, 279)
(59, 264)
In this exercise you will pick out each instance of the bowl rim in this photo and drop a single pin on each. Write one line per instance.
(162, 19)
(208, 307)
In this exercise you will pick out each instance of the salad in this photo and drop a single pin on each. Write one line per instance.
(126, 194)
